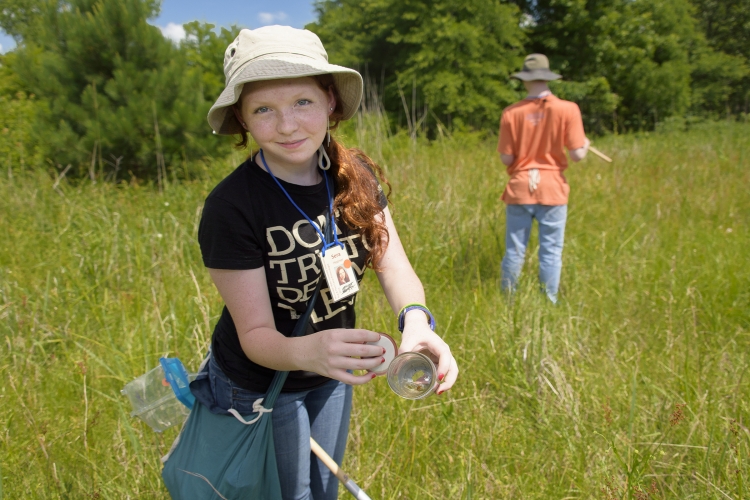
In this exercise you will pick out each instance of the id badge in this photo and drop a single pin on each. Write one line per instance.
(342, 281)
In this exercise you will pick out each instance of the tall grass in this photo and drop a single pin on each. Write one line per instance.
(635, 386)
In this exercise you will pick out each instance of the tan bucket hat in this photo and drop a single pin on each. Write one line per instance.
(272, 53)
(536, 67)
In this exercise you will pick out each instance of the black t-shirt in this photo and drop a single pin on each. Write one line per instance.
(249, 223)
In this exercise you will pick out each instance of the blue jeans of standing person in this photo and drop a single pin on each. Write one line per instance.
(322, 412)
(551, 220)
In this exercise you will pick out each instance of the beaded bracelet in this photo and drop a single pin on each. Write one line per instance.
(408, 308)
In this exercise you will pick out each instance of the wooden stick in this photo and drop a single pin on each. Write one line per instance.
(348, 483)
(600, 154)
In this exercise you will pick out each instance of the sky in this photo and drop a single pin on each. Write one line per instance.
(246, 13)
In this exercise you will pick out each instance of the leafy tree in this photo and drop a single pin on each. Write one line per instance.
(18, 145)
(652, 54)
(726, 24)
(120, 96)
(721, 83)
(204, 49)
(19, 17)
(437, 60)
(596, 100)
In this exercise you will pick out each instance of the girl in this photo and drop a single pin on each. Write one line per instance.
(263, 239)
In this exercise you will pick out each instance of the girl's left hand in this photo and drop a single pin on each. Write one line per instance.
(418, 336)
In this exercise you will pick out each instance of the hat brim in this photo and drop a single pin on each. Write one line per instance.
(536, 74)
(348, 84)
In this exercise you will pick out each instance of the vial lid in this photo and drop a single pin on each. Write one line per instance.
(391, 350)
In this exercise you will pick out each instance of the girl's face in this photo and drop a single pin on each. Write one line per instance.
(288, 119)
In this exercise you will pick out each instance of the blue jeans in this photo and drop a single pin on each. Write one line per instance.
(551, 220)
(322, 413)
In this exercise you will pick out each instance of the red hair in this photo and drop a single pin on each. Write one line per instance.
(358, 197)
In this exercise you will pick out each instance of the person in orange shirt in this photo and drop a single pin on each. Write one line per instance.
(533, 133)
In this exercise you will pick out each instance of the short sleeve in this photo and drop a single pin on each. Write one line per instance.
(505, 142)
(382, 198)
(226, 237)
(575, 137)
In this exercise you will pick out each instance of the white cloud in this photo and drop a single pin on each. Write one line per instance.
(1, 48)
(271, 17)
(173, 31)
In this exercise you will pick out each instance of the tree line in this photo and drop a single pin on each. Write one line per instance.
(93, 85)
(630, 64)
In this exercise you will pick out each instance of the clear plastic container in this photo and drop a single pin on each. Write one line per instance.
(153, 399)
(412, 375)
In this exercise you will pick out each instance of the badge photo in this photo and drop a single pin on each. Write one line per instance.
(341, 278)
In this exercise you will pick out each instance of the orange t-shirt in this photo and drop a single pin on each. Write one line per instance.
(535, 131)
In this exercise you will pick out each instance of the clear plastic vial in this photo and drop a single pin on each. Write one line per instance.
(412, 375)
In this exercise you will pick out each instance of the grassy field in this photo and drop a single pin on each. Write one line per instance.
(635, 386)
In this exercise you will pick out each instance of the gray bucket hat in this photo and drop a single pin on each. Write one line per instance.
(536, 67)
(272, 53)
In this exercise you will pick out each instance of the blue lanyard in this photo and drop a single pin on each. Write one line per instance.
(326, 245)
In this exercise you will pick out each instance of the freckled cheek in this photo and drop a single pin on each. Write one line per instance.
(317, 127)
(314, 123)
(261, 131)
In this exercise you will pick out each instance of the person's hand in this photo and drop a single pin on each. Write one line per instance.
(418, 336)
(332, 352)
(580, 153)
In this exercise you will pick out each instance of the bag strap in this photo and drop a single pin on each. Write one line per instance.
(299, 330)
(265, 404)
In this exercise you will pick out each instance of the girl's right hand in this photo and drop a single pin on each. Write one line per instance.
(335, 353)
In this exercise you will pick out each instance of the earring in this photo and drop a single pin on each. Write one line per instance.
(328, 143)
(323, 165)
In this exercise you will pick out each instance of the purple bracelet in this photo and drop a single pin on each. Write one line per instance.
(408, 308)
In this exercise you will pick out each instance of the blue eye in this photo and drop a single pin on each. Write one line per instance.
(262, 109)
(303, 102)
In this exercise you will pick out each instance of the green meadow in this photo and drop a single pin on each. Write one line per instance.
(635, 386)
